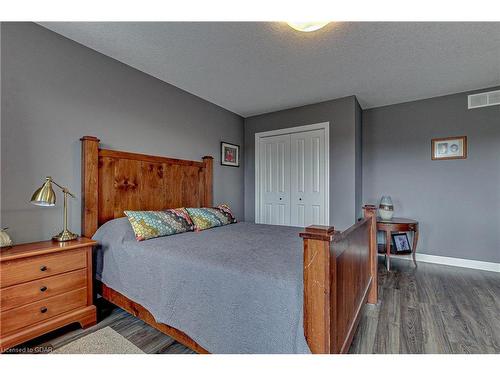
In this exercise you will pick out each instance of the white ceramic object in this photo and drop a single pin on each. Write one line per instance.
(386, 208)
(4, 238)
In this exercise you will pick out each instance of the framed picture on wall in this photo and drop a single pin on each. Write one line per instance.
(230, 154)
(401, 243)
(449, 148)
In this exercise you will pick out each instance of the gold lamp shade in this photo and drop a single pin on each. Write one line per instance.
(45, 195)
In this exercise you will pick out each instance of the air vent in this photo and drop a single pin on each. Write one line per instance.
(484, 99)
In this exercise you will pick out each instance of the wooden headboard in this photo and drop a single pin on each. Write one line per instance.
(114, 181)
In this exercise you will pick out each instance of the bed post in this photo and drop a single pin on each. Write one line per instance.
(90, 175)
(370, 212)
(318, 298)
(208, 162)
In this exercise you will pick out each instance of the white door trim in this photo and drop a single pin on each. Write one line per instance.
(297, 129)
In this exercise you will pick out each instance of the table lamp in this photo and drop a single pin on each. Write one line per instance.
(45, 196)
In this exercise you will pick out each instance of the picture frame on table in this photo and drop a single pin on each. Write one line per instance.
(230, 154)
(400, 243)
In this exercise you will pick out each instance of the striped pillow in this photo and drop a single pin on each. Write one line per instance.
(206, 218)
(226, 210)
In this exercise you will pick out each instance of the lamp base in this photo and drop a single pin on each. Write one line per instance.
(65, 235)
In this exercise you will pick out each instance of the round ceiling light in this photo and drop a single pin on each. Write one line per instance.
(307, 26)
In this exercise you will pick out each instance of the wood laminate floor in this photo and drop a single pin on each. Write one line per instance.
(431, 309)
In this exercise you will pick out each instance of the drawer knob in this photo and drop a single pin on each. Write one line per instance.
(43, 289)
(43, 310)
(43, 268)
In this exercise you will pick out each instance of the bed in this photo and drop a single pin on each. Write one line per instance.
(240, 288)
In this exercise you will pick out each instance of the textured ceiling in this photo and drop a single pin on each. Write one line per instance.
(254, 67)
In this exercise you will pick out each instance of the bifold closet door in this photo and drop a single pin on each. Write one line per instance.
(307, 195)
(275, 180)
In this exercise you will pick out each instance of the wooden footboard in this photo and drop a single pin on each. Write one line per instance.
(340, 276)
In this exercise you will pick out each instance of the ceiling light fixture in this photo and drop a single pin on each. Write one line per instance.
(307, 27)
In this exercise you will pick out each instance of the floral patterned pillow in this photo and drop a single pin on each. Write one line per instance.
(205, 218)
(152, 224)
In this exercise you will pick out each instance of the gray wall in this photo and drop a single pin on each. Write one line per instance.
(359, 158)
(457, 202)
(54, 91)
(341, 113)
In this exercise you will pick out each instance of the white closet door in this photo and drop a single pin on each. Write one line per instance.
(307, 198)
(275, 180)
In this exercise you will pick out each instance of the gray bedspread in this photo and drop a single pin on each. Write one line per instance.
(232, 289)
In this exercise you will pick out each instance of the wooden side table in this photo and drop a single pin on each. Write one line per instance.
(44, 286)
(397, 224)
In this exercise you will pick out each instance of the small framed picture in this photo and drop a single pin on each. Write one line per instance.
(401, 243)
(230, 154)
(449, 148)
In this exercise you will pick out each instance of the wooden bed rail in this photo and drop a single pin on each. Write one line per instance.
(340, 276)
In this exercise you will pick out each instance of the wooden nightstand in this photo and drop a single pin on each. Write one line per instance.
(43, 286)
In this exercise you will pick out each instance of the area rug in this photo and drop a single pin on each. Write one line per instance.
(104, 341)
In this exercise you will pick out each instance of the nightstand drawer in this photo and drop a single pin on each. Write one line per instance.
(22, 294)
(39, 311)
(22, 270)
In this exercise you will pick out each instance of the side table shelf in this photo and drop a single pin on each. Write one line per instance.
(397, 224)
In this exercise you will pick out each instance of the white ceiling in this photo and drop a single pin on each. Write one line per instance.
(256, 67)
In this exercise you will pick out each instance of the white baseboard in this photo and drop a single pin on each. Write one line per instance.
(457, 262)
